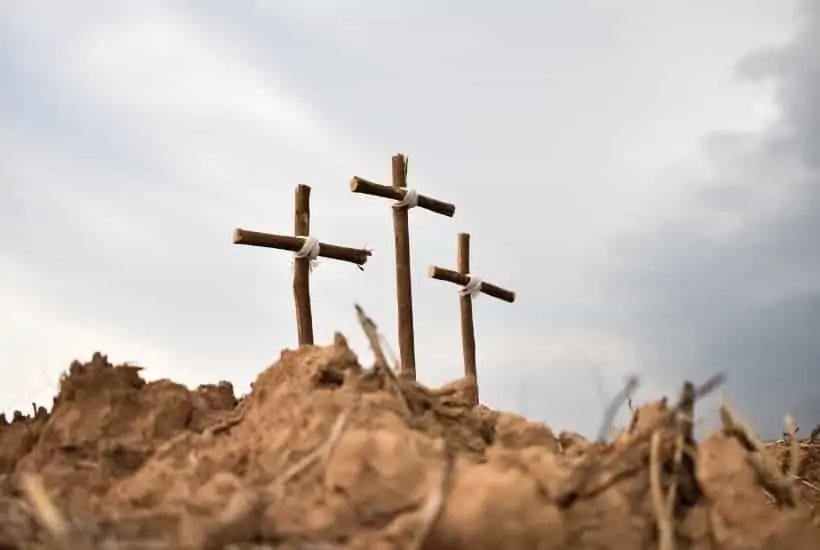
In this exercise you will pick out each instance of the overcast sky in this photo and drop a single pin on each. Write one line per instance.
(643, 174)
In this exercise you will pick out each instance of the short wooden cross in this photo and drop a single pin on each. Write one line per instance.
(472, 286)
(307, 249)
(405, 199)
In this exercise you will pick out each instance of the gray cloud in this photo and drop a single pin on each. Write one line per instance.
(736, 289)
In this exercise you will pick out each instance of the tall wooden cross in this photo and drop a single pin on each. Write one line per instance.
(307, 249)
(472, 286)
(405, 199)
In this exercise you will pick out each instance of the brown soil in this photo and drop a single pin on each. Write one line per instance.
(807, 471)
(325, 454)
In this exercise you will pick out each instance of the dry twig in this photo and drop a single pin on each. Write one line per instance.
(794, 445)
(685, 455)
(614, 406)
(772, 480)
(672, 495)
(323, 451)
(47, 513)
(586, 471)
(770, 477)
(740, 430)
(372, 332)
(663, 513)
(808, 484)
(241, 514)
(434, 504)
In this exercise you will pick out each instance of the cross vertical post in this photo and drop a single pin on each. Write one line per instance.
(472, 286)
(307, 250)
(404, 286)
(466, 303)
(301, 268)
(405, 199)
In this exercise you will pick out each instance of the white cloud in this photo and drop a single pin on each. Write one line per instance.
(162, 67)
(38, 342)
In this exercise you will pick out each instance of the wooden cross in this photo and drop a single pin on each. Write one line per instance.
(307, 250)
(471, 287)
(405, 199)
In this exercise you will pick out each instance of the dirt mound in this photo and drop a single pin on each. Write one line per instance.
(806, 468)
(325, 454)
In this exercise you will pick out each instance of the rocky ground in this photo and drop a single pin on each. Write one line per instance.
(326, 454)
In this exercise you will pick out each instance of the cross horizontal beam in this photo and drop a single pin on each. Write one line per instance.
(442, 274)
(365, 187)
(356, 256)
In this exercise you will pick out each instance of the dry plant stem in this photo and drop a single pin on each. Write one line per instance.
(808, 484)
(672, 495)
(684, 463)
(323, 450)
(586, 471)
(770, 477)
(240, 514)
(434, 504)
(371, 332)
(396, 385)
(772, 480)
(225, 425)
(393, 362)
(47, 513)
(686, 406)
(711, 384)
(739, 429)
(794, 459)
(617, 402)
(663, 515)
(401, 233)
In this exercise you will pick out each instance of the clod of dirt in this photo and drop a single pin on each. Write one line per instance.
(325, 454)
(807, 472)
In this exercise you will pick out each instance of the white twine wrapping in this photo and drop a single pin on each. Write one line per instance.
(472, 288)
(410, 199)
(309, 250)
